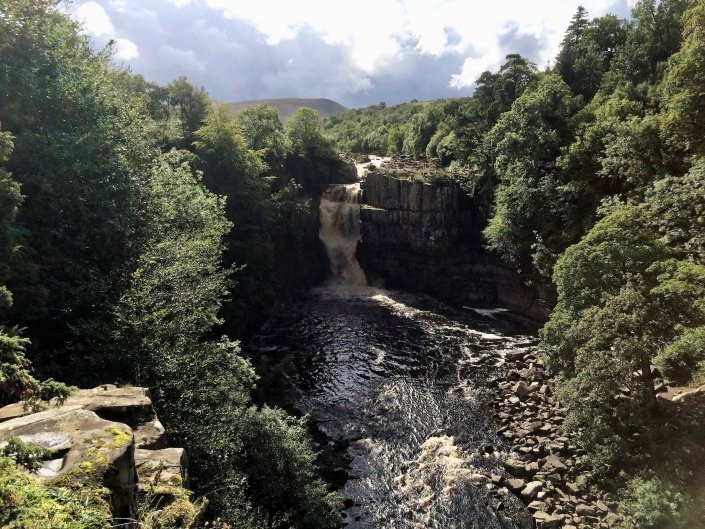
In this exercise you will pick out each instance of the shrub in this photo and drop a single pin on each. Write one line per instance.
(650, 504)
(29, 456)
(681, 359)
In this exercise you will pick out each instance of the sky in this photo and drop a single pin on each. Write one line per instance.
(355, 52)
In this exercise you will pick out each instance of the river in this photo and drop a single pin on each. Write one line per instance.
(398, 384)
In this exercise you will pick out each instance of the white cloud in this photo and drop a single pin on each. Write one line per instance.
(358, 50)
(373, 28)
(126, 49)
(95, 20)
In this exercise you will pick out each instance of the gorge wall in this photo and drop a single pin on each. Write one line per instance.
(426, 237)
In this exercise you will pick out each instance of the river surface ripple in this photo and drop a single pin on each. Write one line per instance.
(400, 381)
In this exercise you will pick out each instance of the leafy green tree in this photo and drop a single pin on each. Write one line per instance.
(80, 142)
(495, 92)
(420, 130)
(587, 51)
(10, 200)
(257, 467)
(16, 379)
(676, 206)
(232, 170)
(616, 151)
(622, 299)
(264, 133)
(684, 100)
(191, 105)
(529, 225)
(653, 35)
(304, 134)
(312, 161)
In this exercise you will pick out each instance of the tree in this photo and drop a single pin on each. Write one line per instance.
(531, 220)
(264, 133)
(653, 35)
(232, 170)
(80, 142)
(616, 151)
(312, 161)
(259, 464)
(587, 51)
(622, 298)
(304, 134)
(684, 100)
(10, 200)
(191, 105)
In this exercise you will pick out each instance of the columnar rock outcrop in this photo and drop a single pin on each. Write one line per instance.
(426, 237)
(107, 437)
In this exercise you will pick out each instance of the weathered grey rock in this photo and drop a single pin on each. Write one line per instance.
(150, 435)
(535, 506)
(522, 389)
(426, 237)
(585, 510)
(515, 467)
(168, 466)
(91, 448)
(516, 484)
(129, 405)
(554, 464)
(531, 490)
(12, 411)
(547, 521)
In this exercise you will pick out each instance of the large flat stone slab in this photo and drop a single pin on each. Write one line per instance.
(129, 405)
(90, 451)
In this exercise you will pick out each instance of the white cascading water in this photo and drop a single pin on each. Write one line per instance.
(340, 232)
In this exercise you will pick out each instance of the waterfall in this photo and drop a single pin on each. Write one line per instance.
(340, 232)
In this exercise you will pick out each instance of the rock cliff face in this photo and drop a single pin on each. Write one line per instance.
(107, 438)
(426, 237)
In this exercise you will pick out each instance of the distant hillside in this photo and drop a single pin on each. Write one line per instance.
(287, 107)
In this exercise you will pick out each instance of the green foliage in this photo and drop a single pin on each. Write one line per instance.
(233, 171)
(419, 131)
(677, 210)
(587, 51)
(79, 143)
(264, 133)
(168, 312)
(10, 200)
(650, 504)
(621, 300)
(653, 35)
(281, 466)
(168, 507)
(529, 223)
(684, 100)
(26, 455)
(681, 359)
(312, 161)
(25, 504)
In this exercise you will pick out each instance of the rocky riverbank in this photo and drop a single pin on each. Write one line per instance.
(544, 467)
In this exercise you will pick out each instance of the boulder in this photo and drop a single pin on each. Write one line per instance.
(547, 521)
(515, 484)
(531, 490)
(90, 451)
(168, 466)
